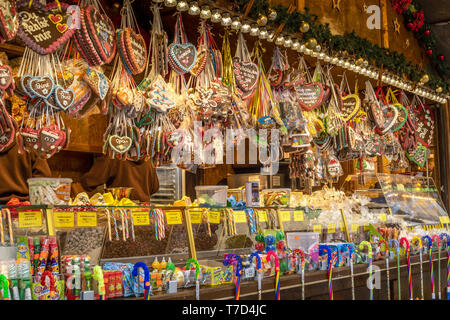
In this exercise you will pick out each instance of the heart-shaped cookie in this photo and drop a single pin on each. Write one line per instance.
(120, 144)
(275, 77)
(9, 23)
(182, 57)
(42, 86)
(64, 97)
(309, 95)
(351, 105)
(51, 139)
(29, 139)
(6, 77)
(38, 31)
(402, 117)
(98, 82)
(390, 114)
(25, 84)
(376, 113)
(419, 155)
(136, 50)
(424, 118)
(246, 74)
(159, 96)
(202, 56)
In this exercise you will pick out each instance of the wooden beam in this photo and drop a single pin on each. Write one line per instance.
(384, 19)
(301, 5)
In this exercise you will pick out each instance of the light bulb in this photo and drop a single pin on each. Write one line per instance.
(205, 13)
(270, 34)
(302, 48)
(215, 16)
(226, 19)
(295, 45)
(245, 27)
(263, 34)
(236, 24)
(254, 30)
(170, 3)
(194, 9)
(334, 60)
(288, 42)
(182, 6)
(346, 65)
(308, 51)
(279, 40)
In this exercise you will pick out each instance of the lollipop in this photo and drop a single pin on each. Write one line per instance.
(48, 274)
(349, 248)
(435, 238)
(228, 259)
(302, 263)
(98, 275)
(426, 240)
(405, 242)
(5, 287)
(135, 273)
(397, 252)
(197, 270)
(369, 251)
(416, 240)
(331, 261)
(386, 256)
(259, 270)
(270, 254)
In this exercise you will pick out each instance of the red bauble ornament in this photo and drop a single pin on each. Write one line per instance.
(429, 52)
(259, 246)
(441, 57)
(410, 25)
(427, 32)
(280, 245)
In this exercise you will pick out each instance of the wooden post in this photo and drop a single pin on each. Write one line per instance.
(301, 5)
(384, 19)
(190, 233)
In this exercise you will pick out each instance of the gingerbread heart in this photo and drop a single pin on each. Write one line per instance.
(64, 97)
(419, 155)
(246, 74)
(351, 105)
(275, 77)
(6, 77)
(42, 86)
(377, 113)
(38, 31)
(30, 139)
(182, 57)
(98, 82)
(424, 118)
(9, 22)
(309, 95)
(159, 96)
(102, 33)
(120, 144)
(202, 56)
(390, 114)
(51, 139)
(25, 84)
(402, 117)
(136, 50)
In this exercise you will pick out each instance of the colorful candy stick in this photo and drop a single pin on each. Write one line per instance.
(44, 276)
(386, 256)
(43, 255)
(2, 233)
(135, 273)
(369, 252)
(405, 242)
(31, 250)
(108, 217)
(426, 240)
(259, 271)
(229, 259)
(54, 256)
(98, 276)
(4, 286)
(130, 212)
(447, 237)
(8, 215)
(122, 219)
(270, 254)
(113, 213)
(331, 260)
(37, 251)
(351, 254)
(397, 253)
(197, 271)
(436, 238)
(417, 242)
(302, 264)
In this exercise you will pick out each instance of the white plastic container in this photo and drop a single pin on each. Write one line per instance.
(49, 190)
(215, 196)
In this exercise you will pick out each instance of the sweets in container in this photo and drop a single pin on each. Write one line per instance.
(49, 190)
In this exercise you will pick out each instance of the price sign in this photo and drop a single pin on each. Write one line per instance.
(382, 217)
(64, 219)
(262, 216)
(366, 227)
(214, 216)
(173, 217)
(444, 219)
(196, 216)
(141, 218)
(87, 219)
(239, 216)
(285, 215)
(317, 228)
(354, 227)
(298, 215)
(30, 219)
(331, 228)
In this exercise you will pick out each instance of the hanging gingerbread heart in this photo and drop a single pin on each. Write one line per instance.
(120, 144)
(98, 82)
(390, 114)
(351, 105)
(6, 78)
(9, 22)
(25, 84)
(64, 97)
(309, 95)
(275, 77)
(202, 56)
(424, 117)
(402, 117)
(182, 57)
(246, 74)
(29, 139)
(136, 50)
(159, 96)
(42, 86)
(419, 155)
(45, 28)
(51, 140)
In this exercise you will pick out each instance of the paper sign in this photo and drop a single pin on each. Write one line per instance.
(141, 218)
(214, 216)
(354, 227)
(382, 217)
(317, 228)
(444, 219)
(366, 226)
(239, 216)
(331, 228)
(30, 219)
(86, 219)
(285, 215)
(173, 217)
(298, 215)
(64, 219)
(196, 216)
(262, 216)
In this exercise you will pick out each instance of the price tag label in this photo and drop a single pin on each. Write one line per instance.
(366, 227)
(87, 219)
(196, 216)
(64, 219)
(30, 219)
(354, 227)
(214, 216)
(173, 217)
(239, 216)
(262, 216)
(317, 228)
(444, 219)
(331, 228)
(141, 218)
(298, 215)
(382, 217)
(285, 215)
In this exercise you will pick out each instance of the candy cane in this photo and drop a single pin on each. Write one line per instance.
(98, 275)
(369, 252)
(159, 223)
(135, 273)
(272, 253)
(447, 237)
(302, 265)
(132, 224)
(331, 260)
(351, 254)
(113, 213)
(397, 252)
(405, 242)
(197, 270)
(435, 238)
(427, 240)
(48, 274)
(386, 256)
(419, 245)
(5, 286)
(228, 259)
(259, 270)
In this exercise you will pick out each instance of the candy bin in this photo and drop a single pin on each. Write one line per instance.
(276, 197)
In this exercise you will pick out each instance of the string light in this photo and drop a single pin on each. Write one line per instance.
(194, 9)
(226, 20)
(216, 16)
(205, 13)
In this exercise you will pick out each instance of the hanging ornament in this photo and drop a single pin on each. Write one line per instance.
(425, 78)
(318, 48)
(441, 57)
(439, 89)
(182, 6)
(9, 22)
(262, 20)
(272, 14)
(304, 27)
(311, 43)
(194, 9)
(246, 73)
(429, 51)
(427, 32)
